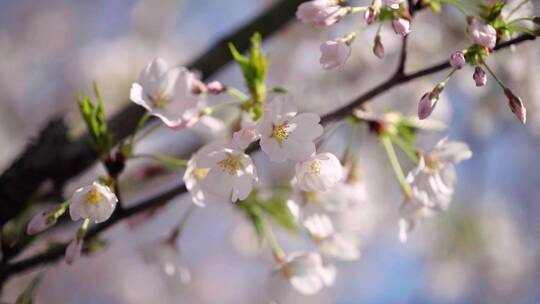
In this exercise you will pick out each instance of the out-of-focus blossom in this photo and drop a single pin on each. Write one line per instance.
(285, 135)
(319, 173)
(193, 176)
(333, 244)
(306, 272)
(393, 3)
(40, 222)
(246, 135)
(231, 173)
(426, 105)
(95, 202)
(73, 251)
(321, 12)
(482, 34)
(165, 256)
(334, 53)
(479, 76)
(215, 87)
(432, 182)
(516, 106)
(402, 26)
(457, 60)
(168, 93)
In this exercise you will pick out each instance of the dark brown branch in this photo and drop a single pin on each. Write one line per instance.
(53, 157)
(58, 251)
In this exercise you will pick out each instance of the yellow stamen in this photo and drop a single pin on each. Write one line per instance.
(280, 132)
(231, 165)
(160, 101)
(200, 173)
(93, 196)
(315, 167)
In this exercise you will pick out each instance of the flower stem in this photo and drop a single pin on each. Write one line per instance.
(234, 92)
(142, 121)
(177, 230)
(165, 160)
(387, 143)
(357, 9)
(495, 77)
(405, 147)
(148, 132)
(515, 9)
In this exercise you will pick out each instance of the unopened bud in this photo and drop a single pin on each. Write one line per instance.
(480, 77)
(516, 106)
(370, 15)
(402, 26)
(73, 251)
(378, 47)
(427, 104)
(457, 60)
(40, 222)
(198, 88)
(215, 87)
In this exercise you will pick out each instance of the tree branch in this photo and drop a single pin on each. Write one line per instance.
(53, 254)
(51, 156)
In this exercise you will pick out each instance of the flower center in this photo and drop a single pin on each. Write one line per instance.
(160, 101)
(93, 196)
(231, 165)
(315, 167)
(280, 132)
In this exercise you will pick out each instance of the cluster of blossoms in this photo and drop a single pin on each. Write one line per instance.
(322, 13)
(484, 37)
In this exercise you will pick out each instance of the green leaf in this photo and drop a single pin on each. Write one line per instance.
(254, 68)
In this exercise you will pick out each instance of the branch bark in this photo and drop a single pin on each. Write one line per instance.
(53, 254)
(52, 156)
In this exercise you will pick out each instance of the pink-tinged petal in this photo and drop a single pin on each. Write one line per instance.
(273, 149)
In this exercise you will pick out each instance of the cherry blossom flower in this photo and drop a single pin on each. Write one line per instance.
(479, 76)
(165, 256)
(341, 246)
(73, 251)
(95, 202)
(319, 173)
(393, 3)
(168, 93)
(321, 12)
(286, 135)
(40, 222)
(402, 26)
(482, 34)
(306, 272)
(334, 53)
(426, 105)
(231, 173)
(457, 60)
(432, 182)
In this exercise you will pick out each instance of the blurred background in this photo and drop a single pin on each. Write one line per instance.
(484, 250)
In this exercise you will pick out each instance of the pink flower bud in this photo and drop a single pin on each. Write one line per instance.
(370, 15)
(334, 53)
(321, 12)
(457, 60)
(482, 34)
(215, 87)
(73, 251)
(40, 222)
(198, 87)
(479, 76)
(402, 26)
(426, 105)
(378, 47)
(516, 106)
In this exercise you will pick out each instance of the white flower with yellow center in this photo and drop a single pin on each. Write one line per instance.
(168, 93)
(230, 174)
(285, 135)
(319, 173)
(306, 272)
(338, 245)
(95, 202)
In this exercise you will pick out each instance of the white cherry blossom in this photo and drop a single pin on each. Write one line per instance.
(319, 173)
(286, 135)
(164, 255)
(231, 173)
(306, 272)
(168, 93)
(482, 34)
(338, 245)
(95, 202)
